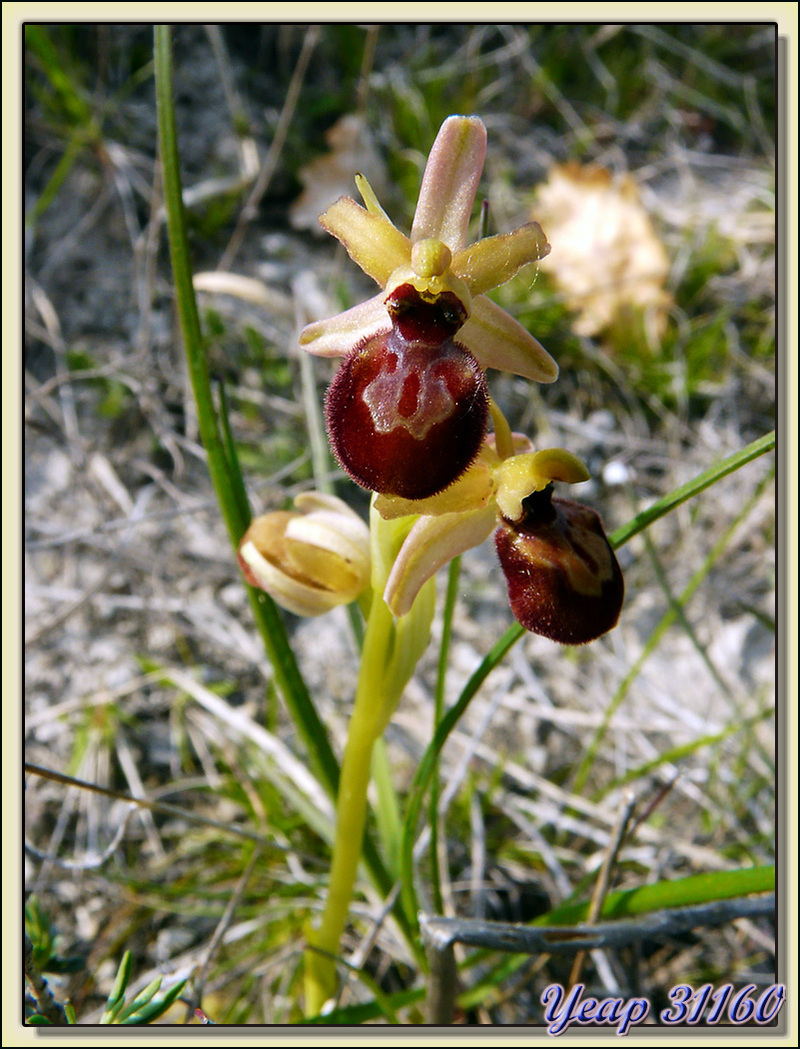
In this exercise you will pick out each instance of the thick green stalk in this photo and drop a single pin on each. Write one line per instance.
(391, 651)
(366, 724)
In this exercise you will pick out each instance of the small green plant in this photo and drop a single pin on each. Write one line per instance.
(42, 935)
(143, 1009)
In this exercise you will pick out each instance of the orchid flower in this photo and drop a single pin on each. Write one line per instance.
(563, 578)
(407, 417)
(408, 410)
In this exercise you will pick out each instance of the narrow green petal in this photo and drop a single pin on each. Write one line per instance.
(431, 543)
(450, 182)
(372, 241)
(494, 260)
(521, 475)
(338, 335)
(371, 202)
(498, 341)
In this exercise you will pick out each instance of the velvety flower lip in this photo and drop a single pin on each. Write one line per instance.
(563, 579)
(407, 411)
(435, 260)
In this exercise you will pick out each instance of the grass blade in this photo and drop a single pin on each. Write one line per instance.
(225, 474)
(691, 488)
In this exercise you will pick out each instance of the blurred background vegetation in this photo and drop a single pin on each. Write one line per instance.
(135, 616)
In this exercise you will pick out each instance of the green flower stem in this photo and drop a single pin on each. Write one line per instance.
(366, 725)
(438, 712)
(391, 651)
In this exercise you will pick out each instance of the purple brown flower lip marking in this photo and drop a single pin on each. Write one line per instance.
(563, 578)
(408, 409)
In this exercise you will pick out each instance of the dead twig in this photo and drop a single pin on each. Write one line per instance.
(219, 933)
(554, 939)
(162, 808)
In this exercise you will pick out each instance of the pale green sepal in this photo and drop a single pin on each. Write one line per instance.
(494, 260)
(431, 543)
(372, 241)
(339, 335)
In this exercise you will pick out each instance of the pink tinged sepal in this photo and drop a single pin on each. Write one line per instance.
(450, 182)
(498, 341)
(431, 544)
(337, 337)
(564, 580)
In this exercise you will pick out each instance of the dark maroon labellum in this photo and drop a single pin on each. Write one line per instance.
(432, 321)
(408, 409)
(564, 581)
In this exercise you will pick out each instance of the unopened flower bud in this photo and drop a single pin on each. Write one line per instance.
(311, 560)
(564, 581)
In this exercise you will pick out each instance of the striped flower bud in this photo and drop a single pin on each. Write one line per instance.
(310, 560)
